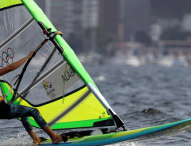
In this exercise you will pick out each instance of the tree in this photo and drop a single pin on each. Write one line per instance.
(143, 37)
(103, 38)
(175, 34)
(75, 42)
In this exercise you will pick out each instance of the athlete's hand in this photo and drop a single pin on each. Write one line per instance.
(3, 101)
(30, 55)
(1, 98)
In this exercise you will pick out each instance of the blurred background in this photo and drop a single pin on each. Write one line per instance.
(132, 32)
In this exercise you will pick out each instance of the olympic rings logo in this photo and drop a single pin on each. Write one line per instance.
(7, 57)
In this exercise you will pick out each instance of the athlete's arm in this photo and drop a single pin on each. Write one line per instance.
(14, 65)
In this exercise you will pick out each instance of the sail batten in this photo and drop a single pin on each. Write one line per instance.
(24, 92)
(39, 79)
(16, 33)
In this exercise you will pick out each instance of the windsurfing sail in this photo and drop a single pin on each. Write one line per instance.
(53, 81)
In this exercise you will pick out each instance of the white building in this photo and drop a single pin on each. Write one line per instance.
(90, 13)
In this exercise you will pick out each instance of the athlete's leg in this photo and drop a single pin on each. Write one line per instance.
(17, 111)
(23, 112)
(28, 128)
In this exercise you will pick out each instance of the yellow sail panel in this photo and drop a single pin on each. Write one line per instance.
(53, 109)
(90, 108)
(77, 107)
(9, 3)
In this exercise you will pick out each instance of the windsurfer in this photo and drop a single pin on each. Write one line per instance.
(10, 111)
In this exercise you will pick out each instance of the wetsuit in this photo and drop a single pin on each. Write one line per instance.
(9, 111)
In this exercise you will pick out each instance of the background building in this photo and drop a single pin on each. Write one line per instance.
(67, 16)
(137, 17)
(72, 16)
(109, 16)
(125, 18)
(90, 13)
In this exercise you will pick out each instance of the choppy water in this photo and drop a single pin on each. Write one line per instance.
(143, 96)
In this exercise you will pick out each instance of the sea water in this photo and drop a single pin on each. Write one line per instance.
(142, 96)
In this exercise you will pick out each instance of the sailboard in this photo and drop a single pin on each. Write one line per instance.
(115, 137)
(53, 80)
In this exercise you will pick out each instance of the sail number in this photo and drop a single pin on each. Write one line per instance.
(68, 75)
